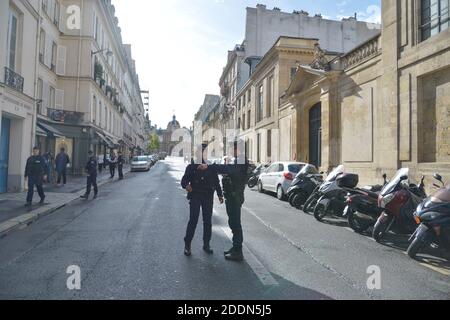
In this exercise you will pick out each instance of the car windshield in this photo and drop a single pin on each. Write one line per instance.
(295, 168)
(140, 159)
(333, 174)
(395, 181)
(308, 169)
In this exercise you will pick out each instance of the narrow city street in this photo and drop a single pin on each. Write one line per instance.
(129, 245)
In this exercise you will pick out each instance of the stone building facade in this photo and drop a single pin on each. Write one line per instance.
(385, 104)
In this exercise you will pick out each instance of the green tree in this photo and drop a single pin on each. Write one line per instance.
(154, 144)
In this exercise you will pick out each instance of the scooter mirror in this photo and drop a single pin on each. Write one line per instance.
(321, 172)
(403, 178)
(385, 176)
(438, 177)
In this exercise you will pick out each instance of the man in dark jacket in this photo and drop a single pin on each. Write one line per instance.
(120, 162)
(235, 178)
(35, 173)
(112, 165)
(200, 185)
(62, 160)
(91, 170)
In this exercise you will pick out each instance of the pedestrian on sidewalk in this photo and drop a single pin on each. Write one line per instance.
(35, 173)
(112, 165)
(62, 161)
(235, 178)
(200, 186)
(120, 162)
(100, 160)
(91, 170)
(49, 162)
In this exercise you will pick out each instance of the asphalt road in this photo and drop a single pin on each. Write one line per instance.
(129, 245)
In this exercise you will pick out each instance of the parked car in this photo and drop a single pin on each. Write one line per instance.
(278, 177)
(140, 163)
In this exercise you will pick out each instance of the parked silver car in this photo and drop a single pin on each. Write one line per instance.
(278, 177)
(140, 163)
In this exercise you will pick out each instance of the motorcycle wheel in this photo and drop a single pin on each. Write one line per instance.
(355, 223)
(415, 247)
(381, 228)
(299, 200)
(320, 212)
(291, 198)
(310, 204)
(252, 183)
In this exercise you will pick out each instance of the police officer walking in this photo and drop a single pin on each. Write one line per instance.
(200, 185)
(35, 173)
(120, 162)
(112, 165)
(91, 170)
(235, 178)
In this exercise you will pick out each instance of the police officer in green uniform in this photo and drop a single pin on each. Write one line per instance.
(235, 178)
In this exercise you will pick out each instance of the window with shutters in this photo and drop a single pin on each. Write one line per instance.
(260, 103)
(13, 27)
(40, 94)
(42, 46)
(52, 98)
(54, 57)
(94, 110)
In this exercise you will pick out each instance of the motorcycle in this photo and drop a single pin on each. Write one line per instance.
(362, 209)
(303, 185)
(253, 180)
(398, 199)
(332, 195)
(433, 218)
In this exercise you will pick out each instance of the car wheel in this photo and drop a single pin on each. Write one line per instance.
(260, 187)
(280, 193)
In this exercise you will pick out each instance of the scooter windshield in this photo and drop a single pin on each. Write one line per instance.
(333, 174)
(395, 181)
(307, 170)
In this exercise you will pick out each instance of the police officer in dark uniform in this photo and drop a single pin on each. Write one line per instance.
(120, 162)
(91, 170)
(35, 172)
(235, 178)
(200, 185)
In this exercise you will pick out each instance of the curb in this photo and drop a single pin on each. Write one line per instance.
(25, 220)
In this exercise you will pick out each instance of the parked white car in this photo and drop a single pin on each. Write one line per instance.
(278, 177)
(140, 163)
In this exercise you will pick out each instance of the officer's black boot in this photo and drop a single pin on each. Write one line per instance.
(86, 196)
(235, 255)
(95, 196)
(187, 249)
(228, 252)
(42, 201)
(207, 249)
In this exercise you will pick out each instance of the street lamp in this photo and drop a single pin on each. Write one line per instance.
(109, 53)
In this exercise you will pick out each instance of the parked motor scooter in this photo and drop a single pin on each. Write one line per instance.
(253, 180)
(313, 199)
(433, 218)
(362, 209)
(332, 195)
(303, 185)
(399, 200)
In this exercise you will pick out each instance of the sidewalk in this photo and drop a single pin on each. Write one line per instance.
(14, 214)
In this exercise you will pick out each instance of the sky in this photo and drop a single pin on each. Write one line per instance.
(180, 46)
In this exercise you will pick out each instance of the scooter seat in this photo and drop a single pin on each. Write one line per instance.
(370, 193)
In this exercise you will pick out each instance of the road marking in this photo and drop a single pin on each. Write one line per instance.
(429, 264)
(258, 268)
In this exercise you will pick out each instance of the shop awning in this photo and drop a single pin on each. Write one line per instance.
(112, 140)
(105, 140)
(40, 132)
(50, 130)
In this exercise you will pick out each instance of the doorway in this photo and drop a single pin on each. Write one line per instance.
(4, 153)
(315, 135)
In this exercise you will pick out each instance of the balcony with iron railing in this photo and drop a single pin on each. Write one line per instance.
(13, 80)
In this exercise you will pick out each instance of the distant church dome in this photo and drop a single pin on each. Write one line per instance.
(174, 124)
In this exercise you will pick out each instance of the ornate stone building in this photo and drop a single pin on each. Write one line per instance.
(165, 136)
(383, 105)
